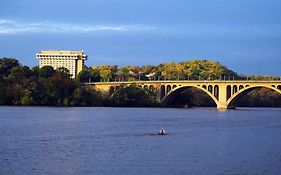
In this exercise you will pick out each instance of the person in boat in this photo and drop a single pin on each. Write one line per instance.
(162, 132)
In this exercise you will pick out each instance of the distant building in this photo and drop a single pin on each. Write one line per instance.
(72, 60)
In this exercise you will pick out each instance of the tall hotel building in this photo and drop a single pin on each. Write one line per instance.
(72, 60)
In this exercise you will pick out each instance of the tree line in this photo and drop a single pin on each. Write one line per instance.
(187, 70)
(192, 70)
(21, 85)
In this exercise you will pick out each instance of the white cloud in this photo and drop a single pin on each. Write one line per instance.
(194, 30)
(14, 27)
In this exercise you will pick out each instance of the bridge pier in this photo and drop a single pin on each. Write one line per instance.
(222, 101)
(222, 105)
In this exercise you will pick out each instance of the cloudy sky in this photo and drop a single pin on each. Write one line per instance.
(244, 35)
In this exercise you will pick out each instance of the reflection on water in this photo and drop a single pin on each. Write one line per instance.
(43, 140)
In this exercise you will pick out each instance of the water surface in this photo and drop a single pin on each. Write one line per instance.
(45, 140)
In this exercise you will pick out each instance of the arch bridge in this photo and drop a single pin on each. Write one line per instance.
(225, 94)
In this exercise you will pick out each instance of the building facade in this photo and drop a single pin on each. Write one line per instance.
(72, 60)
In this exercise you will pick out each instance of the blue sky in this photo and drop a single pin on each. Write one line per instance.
(244, 35)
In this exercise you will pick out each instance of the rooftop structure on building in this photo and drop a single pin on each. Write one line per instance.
(72, 60)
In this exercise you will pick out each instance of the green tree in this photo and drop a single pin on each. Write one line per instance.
(6, 64)
(64, 70)
(87, 75)
(26, 98)
(20, 72)
(46, 71)
(105, 74)
(131, 96)
(2, 92)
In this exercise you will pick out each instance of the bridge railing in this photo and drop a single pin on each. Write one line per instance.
(277, 79)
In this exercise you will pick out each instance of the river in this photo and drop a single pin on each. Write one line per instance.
(200, 141)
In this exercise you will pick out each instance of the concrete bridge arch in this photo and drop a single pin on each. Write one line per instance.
(177, 89)
(234, 99)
